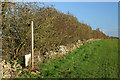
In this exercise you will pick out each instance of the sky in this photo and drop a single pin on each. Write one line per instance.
(103, 15)
(63, 0)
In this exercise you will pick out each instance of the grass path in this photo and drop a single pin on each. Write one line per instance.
(98, 59)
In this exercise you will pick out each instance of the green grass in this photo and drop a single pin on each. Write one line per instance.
(98, 59)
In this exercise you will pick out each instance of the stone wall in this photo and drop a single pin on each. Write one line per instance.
(10, 70)
(13, 69)
(63, 50)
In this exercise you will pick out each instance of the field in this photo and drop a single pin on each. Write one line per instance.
(98, 59)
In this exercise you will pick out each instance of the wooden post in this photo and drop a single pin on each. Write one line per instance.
(32, 45)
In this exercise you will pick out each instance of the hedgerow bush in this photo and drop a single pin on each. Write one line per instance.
(52, 28)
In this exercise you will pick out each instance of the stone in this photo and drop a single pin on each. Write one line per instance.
(63, 49)
(7, 68)
(33, 73)
(14, 69)
(39, 58)
(51, 53)
(38, 72)
(55, 52)
(18, 65)
(25, 69)
(79, 41)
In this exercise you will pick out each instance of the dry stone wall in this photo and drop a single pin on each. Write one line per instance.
(13, 69)
(10, 70)
(62, 50)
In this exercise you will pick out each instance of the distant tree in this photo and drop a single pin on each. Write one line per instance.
(68, 12)
(98, 29)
